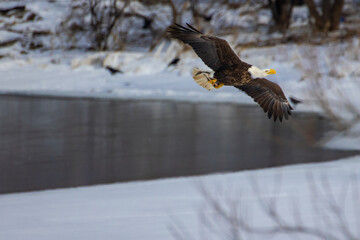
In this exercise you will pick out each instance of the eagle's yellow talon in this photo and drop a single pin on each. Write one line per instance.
(212, 82)
(216, 85)
(219, 85)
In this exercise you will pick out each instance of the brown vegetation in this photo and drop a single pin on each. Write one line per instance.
(328, 19)
(281, 11)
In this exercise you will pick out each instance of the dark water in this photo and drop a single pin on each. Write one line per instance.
(54, 142)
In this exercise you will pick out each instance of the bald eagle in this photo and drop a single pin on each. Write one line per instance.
(229, 70)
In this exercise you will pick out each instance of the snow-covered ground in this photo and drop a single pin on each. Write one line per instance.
(146, 209)
(146, 76)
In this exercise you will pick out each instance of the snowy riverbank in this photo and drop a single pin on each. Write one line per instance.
(146, 210)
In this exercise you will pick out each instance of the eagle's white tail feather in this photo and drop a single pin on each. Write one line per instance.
(202, 78)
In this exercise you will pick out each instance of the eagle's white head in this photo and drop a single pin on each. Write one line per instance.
(256, 72)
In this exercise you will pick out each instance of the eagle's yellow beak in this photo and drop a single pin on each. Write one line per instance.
(272, 71)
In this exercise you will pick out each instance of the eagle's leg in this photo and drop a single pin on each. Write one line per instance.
(215, 83)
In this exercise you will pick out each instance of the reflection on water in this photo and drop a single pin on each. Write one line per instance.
(54, 142)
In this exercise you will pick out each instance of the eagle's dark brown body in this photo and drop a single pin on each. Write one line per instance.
(228, 69)
(234, 75)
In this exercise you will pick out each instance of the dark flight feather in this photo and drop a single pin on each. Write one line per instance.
(214, 52)
(269, 96)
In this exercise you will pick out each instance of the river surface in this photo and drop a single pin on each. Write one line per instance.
(48, 142)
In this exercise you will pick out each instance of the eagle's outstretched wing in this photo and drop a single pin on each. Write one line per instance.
(269, 96)
(215, 52)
